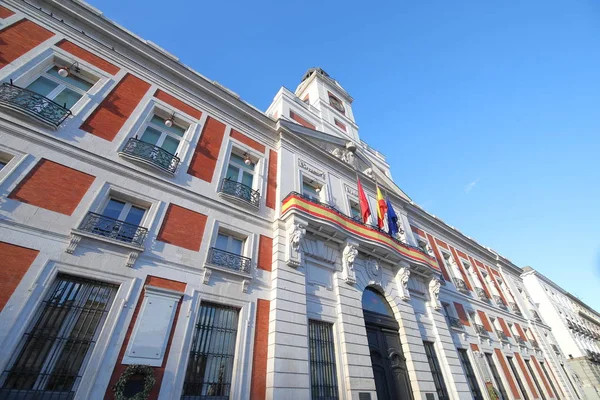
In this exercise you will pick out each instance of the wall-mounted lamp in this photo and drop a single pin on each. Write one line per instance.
(65, 71)
(247, 159)
(169, 121)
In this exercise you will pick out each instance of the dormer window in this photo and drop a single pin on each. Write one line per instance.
(336, 103)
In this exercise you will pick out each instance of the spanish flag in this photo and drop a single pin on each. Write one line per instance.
(381, 208)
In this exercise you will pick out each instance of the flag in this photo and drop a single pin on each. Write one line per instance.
(392, 219)
(381, 208)
(365, 211)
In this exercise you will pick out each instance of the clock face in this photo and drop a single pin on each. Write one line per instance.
(337, 104)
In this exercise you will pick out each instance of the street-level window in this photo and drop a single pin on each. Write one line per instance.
(436, 371)
(159, 134)
(241, 169)
(52, 355)
(535, 380)
(64, 90)
(470, 374)
(323, 374)
(548, 377)
(212, 354)
(517, 377)
(496, 375)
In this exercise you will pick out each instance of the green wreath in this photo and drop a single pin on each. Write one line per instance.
(135, 369)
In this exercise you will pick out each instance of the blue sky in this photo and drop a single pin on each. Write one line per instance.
(498, 103)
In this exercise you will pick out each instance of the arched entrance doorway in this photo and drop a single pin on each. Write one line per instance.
(387, 359)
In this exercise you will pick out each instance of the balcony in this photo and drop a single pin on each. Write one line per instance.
(111, 228)
(555, 348)
(515, 308)
(229, 261)
(481, 331)
(502, 336)
(535, 344)
(150, 154)
(536, 316)
(32, 104)
(499, 301)
(461, 286)
(481, 294)
(239, 192)
(520, 340)
(455, 323)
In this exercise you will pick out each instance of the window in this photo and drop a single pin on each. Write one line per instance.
(311, 189)
(537, 384)
(470, 374)
(548, 377)
(339, 124)
(241, 169)
(210, 365)
(163, 136)
(228, 252)
(436, 371)
(323, 375)
(66, 91)
(239, 182)
(119, 220)
(52, 355)
(229, 243)
(516, 374)
(355, 211)
(496, 376)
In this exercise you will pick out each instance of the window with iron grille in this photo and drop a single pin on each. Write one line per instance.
(496, 376)
(52, 355)
(537, 384)
(210, 366)
(516, 374)
(470, 374)
(323, 375)
(436, 371)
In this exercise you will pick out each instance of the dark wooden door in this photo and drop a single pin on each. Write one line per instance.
(387, 359)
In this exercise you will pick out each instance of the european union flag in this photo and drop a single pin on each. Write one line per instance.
(392, 218)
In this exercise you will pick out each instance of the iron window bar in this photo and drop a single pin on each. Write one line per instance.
(323, 373)
(33, 104)
(52, 354)
(481, 294)
(501, 335)
(112, 228)
(358, 221)
(151, 154)
(481, 331)
(455, 323)
(240, 191)
(226, 259)
(210, 364)
(460, 285)
(535, 344)
(520, 340)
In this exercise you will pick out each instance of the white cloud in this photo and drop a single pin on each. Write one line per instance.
(471, 185)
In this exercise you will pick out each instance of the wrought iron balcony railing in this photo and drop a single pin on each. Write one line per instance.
(535, 344)
(499, 301)
(33, 104)
(481, 294)
(113, 229)
(222, 258)
(151, 154)
(481, 331)
(515, 308)
(240, 191)
(536, 316)
(502, 336)
(520, 340)
(455, 323)
(461, 286)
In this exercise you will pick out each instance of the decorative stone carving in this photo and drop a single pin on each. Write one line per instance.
(401, 235)
(296, 230)
(245, 285)
(403, 276)
(369, 172)
(424, 245)
(75, 239)
(133, 255)
(307, 167)
(350, 190)
(345, 155)
(374, 271)
(206, 277)
(348, 257)
(434, 292)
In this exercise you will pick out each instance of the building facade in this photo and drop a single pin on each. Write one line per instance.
(576, 324)
(160, 236)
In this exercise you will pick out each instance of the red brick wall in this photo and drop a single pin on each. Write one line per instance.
(88, 56)
(265, 253)
(53, 186)
(301, 120)
(527, 376)
(206, 153)
(462, 314)
(19, 38)
(504, 327)
(182, 227)
(178, 104)
(5, 12)
(272, 180)
(158, 371)
(521, 332)
(461, 268)
(246, 140)
(258, 389)
(509, 378)
(484, 321)
(340, 125)
(474, 347)
(440, 261)
(542, 375)
(115, 109)
(16, 260)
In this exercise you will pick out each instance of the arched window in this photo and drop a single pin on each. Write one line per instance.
(373, 301)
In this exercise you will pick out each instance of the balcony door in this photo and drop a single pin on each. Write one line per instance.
(387, 359)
